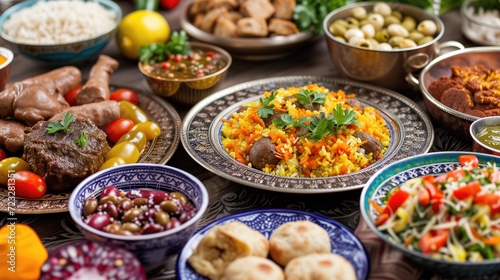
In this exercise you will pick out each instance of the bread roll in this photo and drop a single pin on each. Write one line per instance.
(295, 239)
(225, 243)
(253, 268)
(325, 266)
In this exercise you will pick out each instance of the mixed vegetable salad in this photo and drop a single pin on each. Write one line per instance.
(453, 216)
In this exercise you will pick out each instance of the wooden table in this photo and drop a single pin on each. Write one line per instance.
(227, 197)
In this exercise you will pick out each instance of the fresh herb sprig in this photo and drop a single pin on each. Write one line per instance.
(158, 52)
(486, 5)
(267, 109)
(322, 124)
(309, 14)
(304, 97)
(82, 140)
(63, 124)
(343, 117)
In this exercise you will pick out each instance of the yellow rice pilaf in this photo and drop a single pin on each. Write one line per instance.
(301, 157)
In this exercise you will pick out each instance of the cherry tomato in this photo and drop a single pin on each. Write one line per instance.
(11, 165)
(433, 240)
(72, 95)
(3, 155)
(29, 184)
(131, 111)
(151, 129)
(138, 138)
(126, 150)
(112, 162)
(169, 4)
(124, 94)
(117, 128)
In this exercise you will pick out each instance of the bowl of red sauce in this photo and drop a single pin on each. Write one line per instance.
(187, 79)
(485, 133)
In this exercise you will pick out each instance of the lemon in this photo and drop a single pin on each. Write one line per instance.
(141, 27)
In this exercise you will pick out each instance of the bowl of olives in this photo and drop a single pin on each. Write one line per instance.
(383, 42)
(149, 209)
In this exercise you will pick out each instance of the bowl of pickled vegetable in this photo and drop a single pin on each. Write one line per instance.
(148, 209)
(382, 42)
(442, 210)
(485, 133)
(184, 72)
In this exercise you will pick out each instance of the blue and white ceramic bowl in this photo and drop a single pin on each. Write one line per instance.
(344, 242)
(62, 54)
(153, 250)
(392, 176)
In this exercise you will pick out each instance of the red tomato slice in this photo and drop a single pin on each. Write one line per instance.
(395, 201)
(423, 196)
(468, 190)
(72, 95)
(468, 159)
(3, 155)
(29, 184)
(125, 94)
(117, 128)
(491, 200)
(436, 195)
(432, 241)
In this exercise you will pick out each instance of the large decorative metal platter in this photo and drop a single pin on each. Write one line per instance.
(249, 48)
(158, 151)
(343, 241)
(411, 133)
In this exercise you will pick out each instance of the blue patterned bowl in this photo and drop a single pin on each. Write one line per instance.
(153, 250)
(62, 54)
(344, 242)
(393, 175)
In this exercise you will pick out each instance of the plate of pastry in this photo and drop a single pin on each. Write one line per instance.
(273, 244)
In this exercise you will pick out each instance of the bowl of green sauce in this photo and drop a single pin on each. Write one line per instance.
(485, 133)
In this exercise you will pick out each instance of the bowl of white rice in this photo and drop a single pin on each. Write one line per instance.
(60, 32)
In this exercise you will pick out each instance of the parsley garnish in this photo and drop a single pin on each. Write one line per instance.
(287, 119)
(343, 117)
(63, 124)
(320, 125)
(304, 97)
(267, 109)
(158, 52)
(82, 140)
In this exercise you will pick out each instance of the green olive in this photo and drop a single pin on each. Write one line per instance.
(410, 23)
(132, 227)
(139, 201)
(337, 29)
(107, 198)
(415, 36)
(162, 218)
(425, 40)
(391, 19)
(90, 206)
(131, 214)
(395, 41)
(180, 196)
(382, 36)
(352, 21)
(397, 14)
(168, 206)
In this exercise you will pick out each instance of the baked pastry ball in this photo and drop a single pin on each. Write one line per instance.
(298, 238)
(324, 266)
(253, 268)
(225, 243)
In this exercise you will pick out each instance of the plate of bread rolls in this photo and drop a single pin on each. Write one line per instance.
(273, 244)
